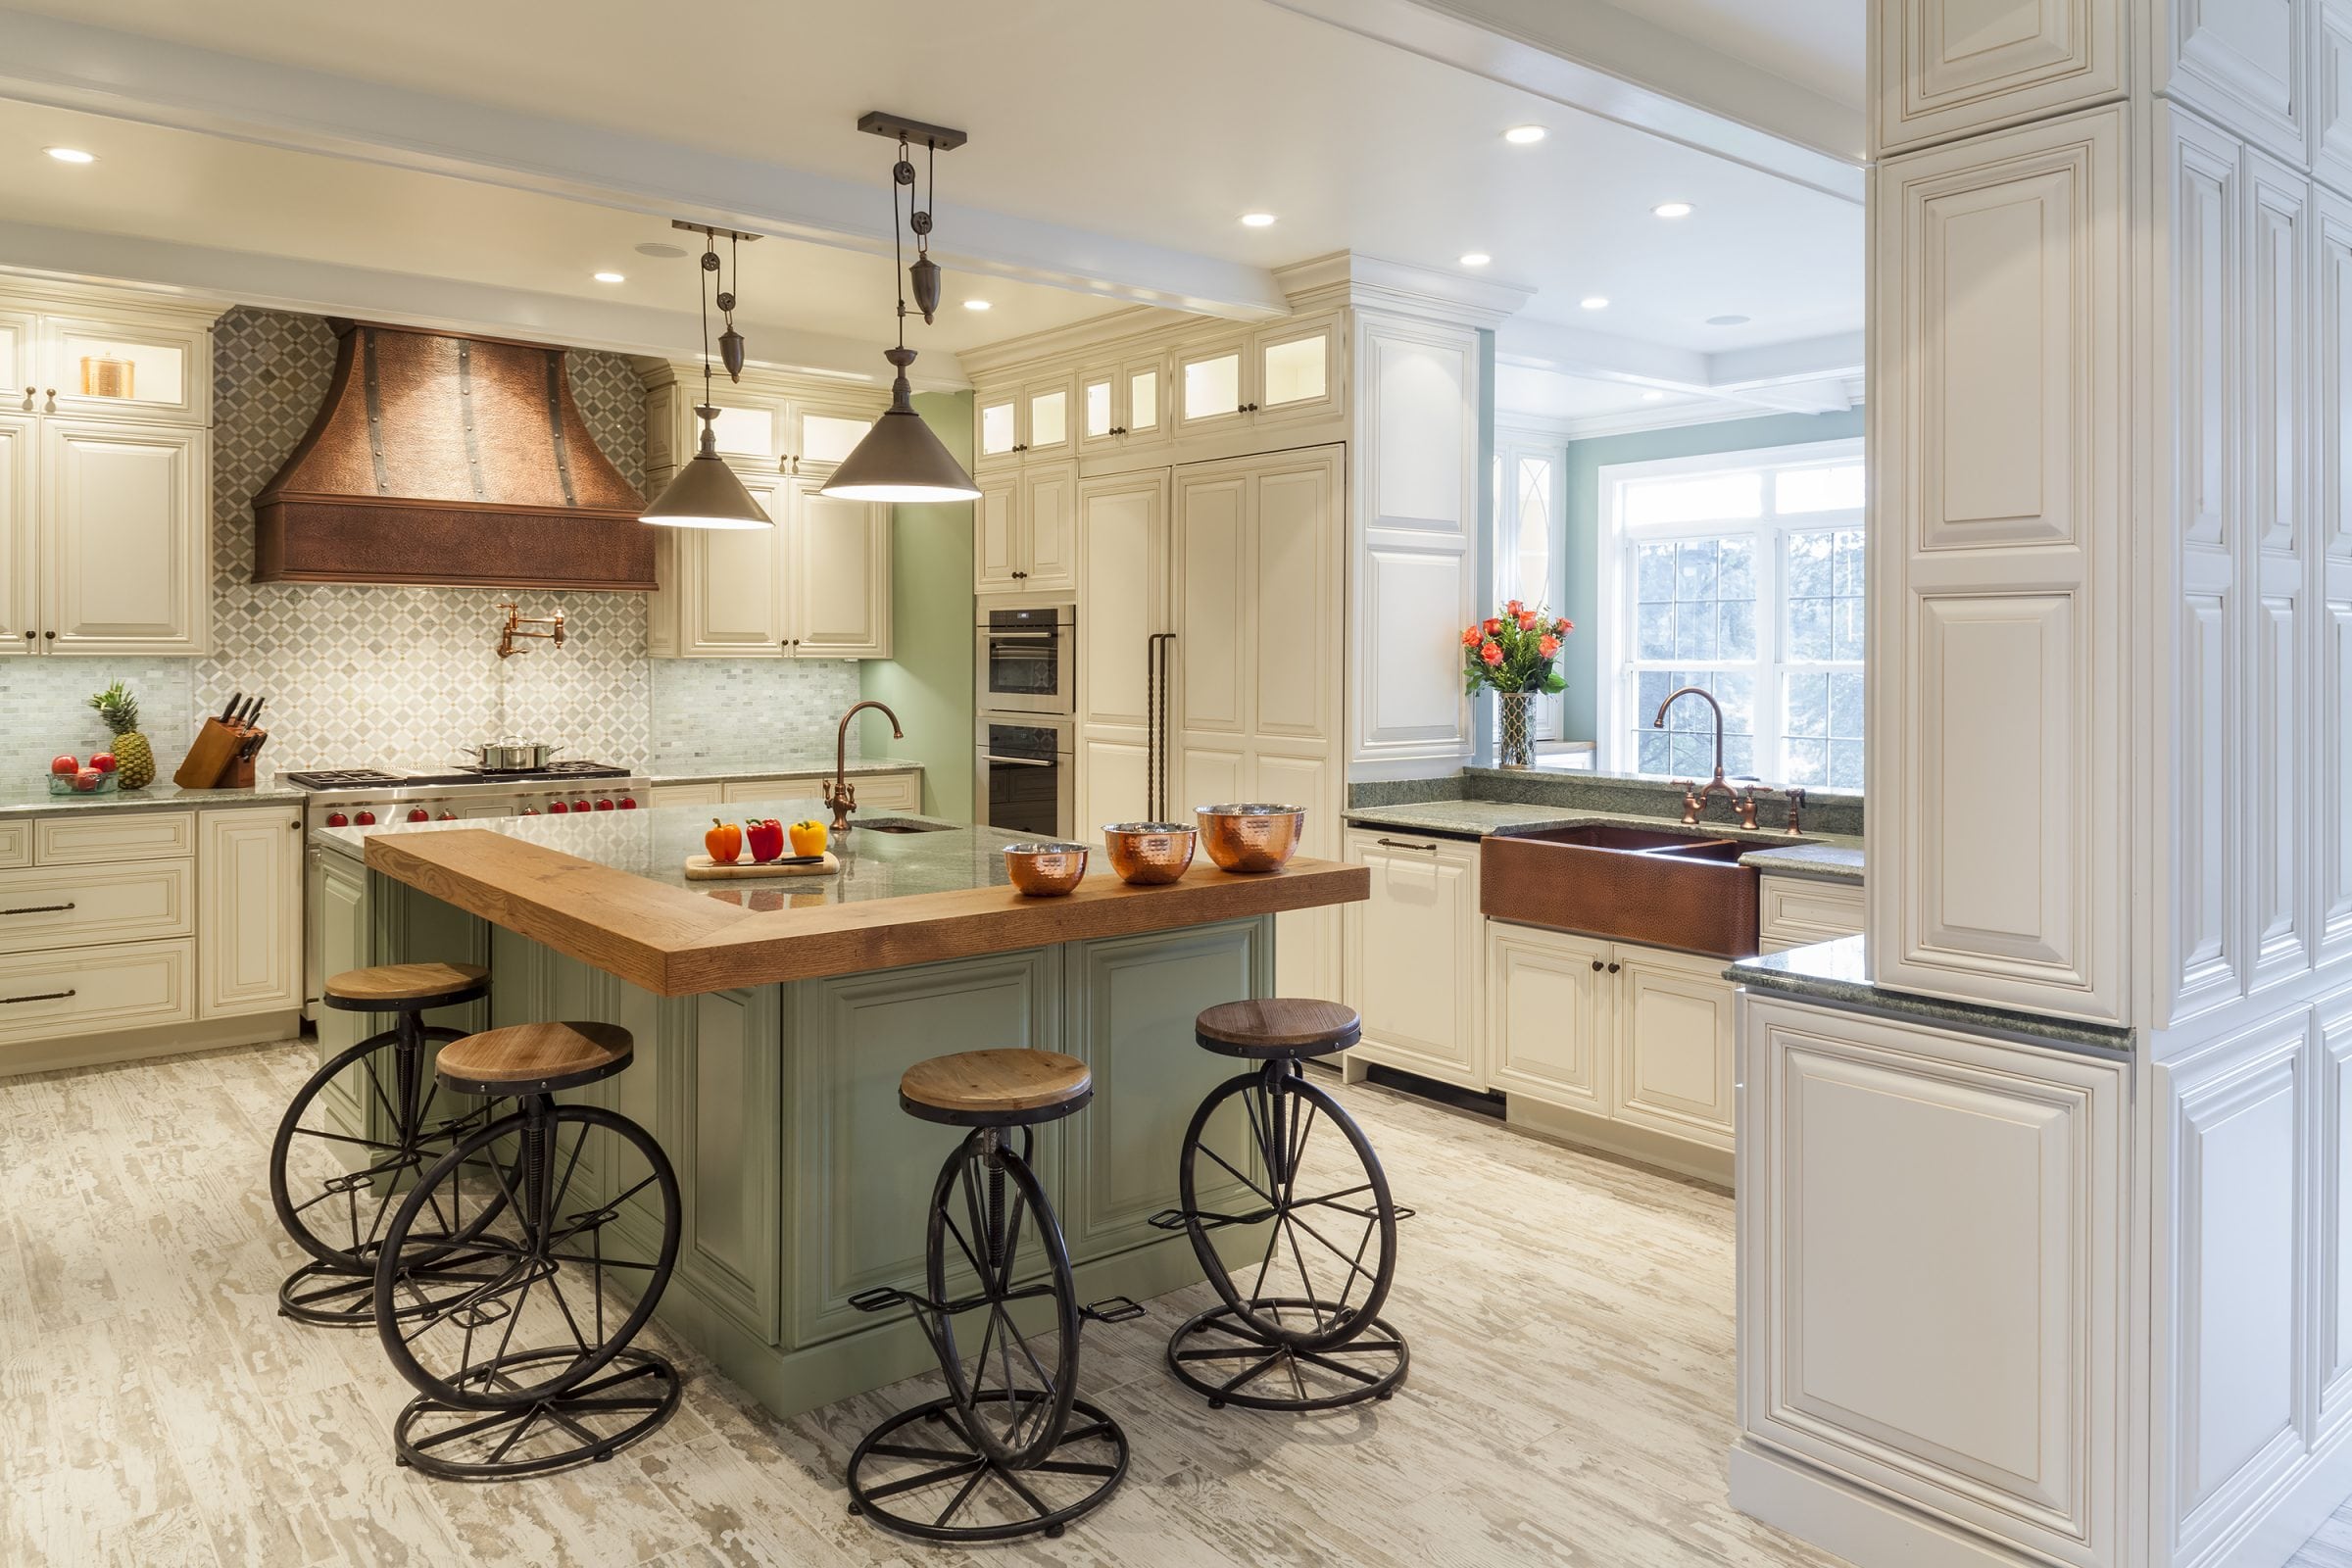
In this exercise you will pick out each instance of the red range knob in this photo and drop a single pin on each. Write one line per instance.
(366, 819)
(604, 803)
(628, 803)
(579, 805)
(418, 813)
(449, 816)
(556, 808)
(337, 819)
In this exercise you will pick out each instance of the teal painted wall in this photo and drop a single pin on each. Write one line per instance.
(1580, 476)
(928, 683)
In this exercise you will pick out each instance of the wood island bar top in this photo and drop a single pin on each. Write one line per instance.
(675, 938)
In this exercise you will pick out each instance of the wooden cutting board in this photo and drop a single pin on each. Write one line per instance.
(703, 868)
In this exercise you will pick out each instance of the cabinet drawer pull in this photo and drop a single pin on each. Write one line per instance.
(39, 909)
(1400, 844)
(43, 996)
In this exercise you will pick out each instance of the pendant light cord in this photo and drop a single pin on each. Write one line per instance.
(702, 298)
(898, 248)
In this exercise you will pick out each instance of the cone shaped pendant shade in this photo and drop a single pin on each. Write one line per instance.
(705, 493)
(900, 459)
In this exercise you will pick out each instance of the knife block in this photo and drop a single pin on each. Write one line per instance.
(211, 756)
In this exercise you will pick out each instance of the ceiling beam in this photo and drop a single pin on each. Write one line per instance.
(68, 64)
(1810, 376)
(1592, 57)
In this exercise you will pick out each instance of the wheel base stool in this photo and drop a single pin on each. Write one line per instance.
(1370, 1365)
(589, 1422)
(929, 1446)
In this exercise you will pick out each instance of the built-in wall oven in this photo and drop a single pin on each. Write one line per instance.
(1025, 776)
(1026, 661)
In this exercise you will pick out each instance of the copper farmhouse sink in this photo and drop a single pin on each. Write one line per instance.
(1632, 883)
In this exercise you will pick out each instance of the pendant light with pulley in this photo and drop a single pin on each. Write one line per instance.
(705, 492)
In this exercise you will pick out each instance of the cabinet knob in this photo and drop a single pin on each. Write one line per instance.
(52, 636)
(1597, 966)
(49, 405)
(28, 400)
(1614, 967)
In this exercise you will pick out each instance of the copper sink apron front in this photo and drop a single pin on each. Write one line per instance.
(1659, 889)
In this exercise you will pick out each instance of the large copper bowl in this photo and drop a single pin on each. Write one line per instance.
(1045, 870)
(1249, 836)
(1148, 853)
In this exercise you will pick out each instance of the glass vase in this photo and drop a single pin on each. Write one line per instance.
(1512, 747)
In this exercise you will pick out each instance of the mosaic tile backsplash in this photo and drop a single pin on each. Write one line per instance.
(395, 677)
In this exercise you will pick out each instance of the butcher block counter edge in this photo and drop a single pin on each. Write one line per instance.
(676, 944)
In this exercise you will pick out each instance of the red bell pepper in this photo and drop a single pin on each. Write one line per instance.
(767, 838)
(723, 843)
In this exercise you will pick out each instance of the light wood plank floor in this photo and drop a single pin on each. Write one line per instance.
(1570, 1400)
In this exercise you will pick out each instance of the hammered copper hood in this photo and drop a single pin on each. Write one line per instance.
(452, 460)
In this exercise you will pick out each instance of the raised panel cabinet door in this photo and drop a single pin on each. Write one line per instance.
(1114, 782)
(839, 580)
(1950, 67)
(662, 604)
(995, 536)
(1213, 596)
(1122, 550)
(83, 991)
(248, 911)
(2332, 96)
(723, 1123)
(1899, 1188)
(1550, 1009)
(1049, 531)
(19, 589)
(1412, 956)
(126, 539)
(2335, 1197)
(732, 604)
(1674, 1043)
(1295, 612)
(2240, 63)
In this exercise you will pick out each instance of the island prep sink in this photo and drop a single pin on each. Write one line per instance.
(901, 824)
(1652, 886)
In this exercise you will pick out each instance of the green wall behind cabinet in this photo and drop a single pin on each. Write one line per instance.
(1581, 478)
(928, 682)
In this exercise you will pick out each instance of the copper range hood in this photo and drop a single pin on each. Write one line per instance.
(452, 461)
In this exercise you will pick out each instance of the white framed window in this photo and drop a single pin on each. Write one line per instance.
(1531, 529)
(1741, 573)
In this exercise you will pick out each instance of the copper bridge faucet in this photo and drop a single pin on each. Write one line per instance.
(1695, 799)
(840, 795)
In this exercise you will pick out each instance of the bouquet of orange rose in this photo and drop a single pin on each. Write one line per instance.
(1513, 652)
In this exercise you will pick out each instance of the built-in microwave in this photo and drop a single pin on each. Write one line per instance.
(1025, 777)
(1026, 661)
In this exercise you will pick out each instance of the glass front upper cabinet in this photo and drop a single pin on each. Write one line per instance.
(1049, 417)
(998, 417)
(99, 366)
(1297, 369)
(1209, 384)
(823, 436)
(1119, 402)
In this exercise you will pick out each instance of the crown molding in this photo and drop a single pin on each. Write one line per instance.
(1400, 289)
(83, 290)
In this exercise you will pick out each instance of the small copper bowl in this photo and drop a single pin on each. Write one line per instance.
(1150, 853)
(1044, 869)
(1252, 836)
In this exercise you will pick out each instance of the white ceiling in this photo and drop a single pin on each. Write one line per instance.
(1821, 45)
(1148, 122)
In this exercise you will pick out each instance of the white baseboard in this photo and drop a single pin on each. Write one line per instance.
(1636, 1144)
(2287, 1517)
(1867, 1531)
(136, 1044)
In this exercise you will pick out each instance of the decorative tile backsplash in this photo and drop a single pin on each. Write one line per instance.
(395, 677)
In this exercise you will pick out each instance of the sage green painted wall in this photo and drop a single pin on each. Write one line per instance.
(1581, 475)
(928, 683)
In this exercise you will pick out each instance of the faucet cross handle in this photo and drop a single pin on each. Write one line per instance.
(1690, 806)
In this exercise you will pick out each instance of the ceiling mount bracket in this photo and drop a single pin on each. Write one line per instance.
(712, 231)
(897, 127)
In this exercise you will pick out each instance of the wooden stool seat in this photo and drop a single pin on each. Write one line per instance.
(407, 987)
(996, 1087)
(534, 1059)
(1278, 1027)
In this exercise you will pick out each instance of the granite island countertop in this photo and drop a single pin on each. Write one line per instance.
(611, 890)
(736, 770)
(1826, 856)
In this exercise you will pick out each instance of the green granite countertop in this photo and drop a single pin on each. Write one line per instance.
(161, 796)
(1836, 974)
(774, 764)
(1825, 856)
(653, 843)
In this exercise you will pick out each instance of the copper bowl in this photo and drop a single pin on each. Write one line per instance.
(1252, 836)
(1044, 869)
(1150, 853)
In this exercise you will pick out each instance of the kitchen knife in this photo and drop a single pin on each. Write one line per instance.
(255, 711)
(233, 701)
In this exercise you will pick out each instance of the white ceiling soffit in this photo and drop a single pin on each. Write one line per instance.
(1812, 375)
(68, 65)
(1592, 56)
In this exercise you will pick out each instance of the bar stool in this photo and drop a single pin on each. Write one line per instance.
(1006, 1415)
(334, 1184)
(517, 1338)
(1310, 1318)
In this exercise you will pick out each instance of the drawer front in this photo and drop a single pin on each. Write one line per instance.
(75, 906)
(15, 843)
(686, 795)
(96, 836)
(81, 991)
(786, 787)
(894, 791)
(1797, 912)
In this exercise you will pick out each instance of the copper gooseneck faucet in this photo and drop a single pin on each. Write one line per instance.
(840, 795)
(1694, 801)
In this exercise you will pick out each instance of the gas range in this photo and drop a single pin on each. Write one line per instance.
(363, 797)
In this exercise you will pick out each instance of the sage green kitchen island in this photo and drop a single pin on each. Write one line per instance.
(774, 1018)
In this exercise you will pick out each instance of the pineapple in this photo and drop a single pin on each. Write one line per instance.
(134, 758)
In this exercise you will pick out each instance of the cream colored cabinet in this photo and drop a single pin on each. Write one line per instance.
(1674, 1043)
(20, 591)
(67, 992)
(154, 369)
(1287, 371)
(1120, 404)
(895, 790)
(1795, 911)
(19, 335)
(816, 585)
(1122, 585)
(1411, 955)
(685, 795)
(126, 539)
(1024, 531)
(1037, 419)
(1551, 1016)
(767, 424)
(248, 902)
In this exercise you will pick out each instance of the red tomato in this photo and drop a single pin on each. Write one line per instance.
(64, 766)
(103, 761)
(88, 779)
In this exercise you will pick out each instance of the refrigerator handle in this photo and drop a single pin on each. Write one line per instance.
(1155, 713)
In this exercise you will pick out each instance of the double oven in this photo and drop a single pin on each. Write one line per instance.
(1025, 725)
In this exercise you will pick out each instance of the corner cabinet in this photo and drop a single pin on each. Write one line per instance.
(105, 477)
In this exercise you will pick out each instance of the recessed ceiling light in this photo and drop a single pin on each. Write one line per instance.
(70, 154)
(1727, 320)
(1257, 219)
(611, 277)
(1595, 301)
(1477, 259)
(662, 250)
(1652, 397)
(1672, 209)
(1525, 135)
(975, 305)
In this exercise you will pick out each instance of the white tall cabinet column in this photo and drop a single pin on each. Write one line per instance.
(2111, 661)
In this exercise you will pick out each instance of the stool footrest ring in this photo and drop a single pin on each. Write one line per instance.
(1112, 1309)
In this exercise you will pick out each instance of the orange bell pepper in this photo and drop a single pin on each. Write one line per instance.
(723, 843)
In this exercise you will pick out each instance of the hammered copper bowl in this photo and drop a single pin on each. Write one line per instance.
(1044, 869)
(1150, 853)
(1250, 837)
